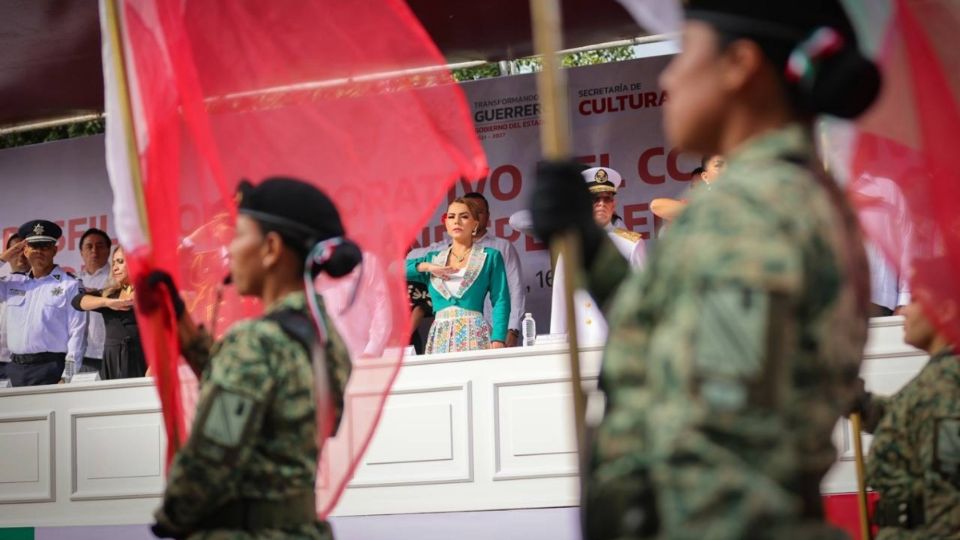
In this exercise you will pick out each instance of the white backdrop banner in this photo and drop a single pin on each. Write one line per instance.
(64, 182)
(616, 115)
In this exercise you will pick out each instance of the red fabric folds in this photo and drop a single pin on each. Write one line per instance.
(906, 180)
(351, 96)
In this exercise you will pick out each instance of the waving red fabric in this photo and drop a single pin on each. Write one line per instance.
(351, 96)
(904, 170)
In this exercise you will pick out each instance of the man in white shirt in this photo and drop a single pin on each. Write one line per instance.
(45, 335)
(17, 265)
(94, 275)
(359, 306)
(884, 215)
(511, 259)
(592, 327)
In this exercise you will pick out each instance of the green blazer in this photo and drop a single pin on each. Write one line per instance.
(486, 274)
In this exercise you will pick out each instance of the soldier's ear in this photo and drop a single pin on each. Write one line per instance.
(272, 248)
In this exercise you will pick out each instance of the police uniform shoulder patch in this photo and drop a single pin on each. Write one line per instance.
(629, 235)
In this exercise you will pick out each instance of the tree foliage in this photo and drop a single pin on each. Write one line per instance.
(66, 131)
(484, 71)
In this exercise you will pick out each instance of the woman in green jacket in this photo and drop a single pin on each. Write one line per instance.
(459, 279)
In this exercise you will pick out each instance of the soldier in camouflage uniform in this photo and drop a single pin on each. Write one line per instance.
(250, 465)
(732, 356)
(914, 461)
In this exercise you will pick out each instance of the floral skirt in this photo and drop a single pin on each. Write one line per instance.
(456, 330)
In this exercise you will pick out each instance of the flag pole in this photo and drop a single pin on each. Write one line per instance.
(855, 422)
(136, 177)
(133, 155)
(555, 144)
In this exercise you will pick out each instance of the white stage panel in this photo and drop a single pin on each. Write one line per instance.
(118, 453)
(424, 437)
(27, 458)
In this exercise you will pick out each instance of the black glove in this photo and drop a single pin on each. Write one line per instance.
(861, 400)
(561, 202)
(161, 531)
(150, 286)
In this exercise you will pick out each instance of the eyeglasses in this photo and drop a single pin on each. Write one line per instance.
(42, 245)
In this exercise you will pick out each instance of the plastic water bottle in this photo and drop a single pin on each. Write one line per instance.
(529, 329)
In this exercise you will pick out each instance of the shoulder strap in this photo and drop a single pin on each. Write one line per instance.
(297, 325)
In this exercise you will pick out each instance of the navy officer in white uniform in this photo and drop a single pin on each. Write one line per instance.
(603, 183)
(45, 335)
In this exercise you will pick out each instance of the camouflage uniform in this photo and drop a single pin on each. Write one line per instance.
(731, 358)
(914, 460)
(255, 435)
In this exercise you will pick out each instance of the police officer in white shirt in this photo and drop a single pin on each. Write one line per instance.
(603, 183)
(94, 275)
(45, 335)
(17, 265)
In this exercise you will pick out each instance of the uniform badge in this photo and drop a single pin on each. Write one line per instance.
(56, 277)
(38, 229)
(57, 291)
(601, 177)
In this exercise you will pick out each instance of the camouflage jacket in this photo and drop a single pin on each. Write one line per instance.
(915, 454)
(731, 357)
(255, 433)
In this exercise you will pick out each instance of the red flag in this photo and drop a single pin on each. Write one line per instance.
(905, 179)
(351, 96)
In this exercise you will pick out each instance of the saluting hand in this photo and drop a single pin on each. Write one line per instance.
(442, 272)
(14, 251)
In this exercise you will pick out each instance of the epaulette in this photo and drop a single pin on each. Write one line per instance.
(629, 235)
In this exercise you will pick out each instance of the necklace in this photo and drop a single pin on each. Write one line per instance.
(460, 258)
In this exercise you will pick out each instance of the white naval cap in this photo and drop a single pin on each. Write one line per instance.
(602, 180)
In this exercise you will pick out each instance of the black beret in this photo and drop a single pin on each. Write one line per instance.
(291, 207)
(39, 230)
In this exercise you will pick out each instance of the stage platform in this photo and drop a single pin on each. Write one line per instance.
(490, 430)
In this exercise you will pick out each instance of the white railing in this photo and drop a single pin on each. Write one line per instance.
(476, 431)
